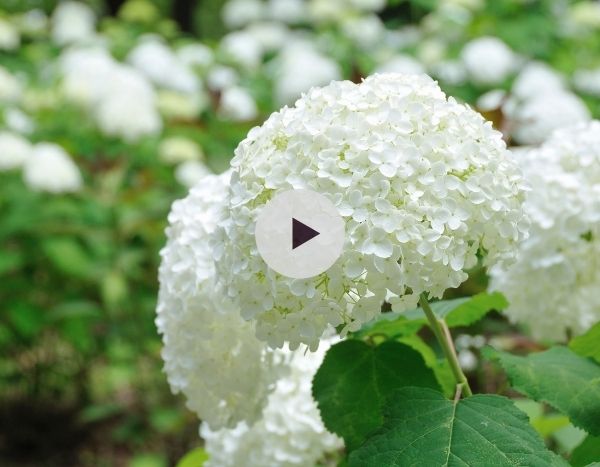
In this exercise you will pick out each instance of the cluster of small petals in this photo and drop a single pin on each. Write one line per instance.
(553, 286)
(291, 432)
(422, 182)
(211, 354)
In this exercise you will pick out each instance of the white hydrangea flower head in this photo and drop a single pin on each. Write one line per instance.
(536, 78)
(14, 151)
(488, 60)
(422, 182)
(9, 35)
(238, 13)
(270, 35)
(401, 63)
(536, 118)
(10, 86)
(290, 432)
(588, 81)
(176, 149)
(558, 263)
(366, 31)
(221, 77)
(153, 58)
(18, 121)
(191, 173)
(196, 54)
(300, 66)
(49, 168)
(287, 11)
(237, 104)
(73, 22)
(211, 355)
(242, 48)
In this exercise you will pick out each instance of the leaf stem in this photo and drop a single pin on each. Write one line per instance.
(442, 334)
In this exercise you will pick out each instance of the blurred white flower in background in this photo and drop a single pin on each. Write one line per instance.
(243, 48)
(33, 22)
(73, 22)
(588, 81)
(423, 183)
(401, 64)
(237, 104)
(10, 86)
(175, 105)
(119, 97)
(366, 31)
(299, 67)
(9, 35)
(536, 78)
(488, 60)
(288, 11)
(17, 120)
(14, 151)
(221, 77)
(190, 173)
(162, 66)
(270, 35)
(176, 149)
(49, 168)
(196, 55)
(290, 433)
(553, 286)
(210, 353)
(491, 100)
(238, 13)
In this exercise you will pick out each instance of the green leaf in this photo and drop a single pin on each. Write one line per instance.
(587, 452)
(69, 257)
(195, 458)
(588, 345)
(354, 380)
(559, 377)
(463, 311)
(423, 428)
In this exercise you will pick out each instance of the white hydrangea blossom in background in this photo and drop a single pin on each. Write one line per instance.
(300, 66)
(73, 22)
(9, 36)
(237, 104)
(196, 54)
(271, 36)
(221, 77)
(14, 151)
(10, 87)
(423, 183)
(488, 60)
(588, 81)
(190, 173)
(49, 168)
(287, 11)
(162, 66)
(238, 13)
(242, 48)
(121, 100)
(290, 433)
(553, 286)
(211, 355)
(176, 149)
(401, 64)
(540, 103)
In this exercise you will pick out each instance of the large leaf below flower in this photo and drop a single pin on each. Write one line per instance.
(354, 380)
(568, 382)
(423, 428)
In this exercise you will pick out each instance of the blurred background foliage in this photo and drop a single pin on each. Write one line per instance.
(80, 367)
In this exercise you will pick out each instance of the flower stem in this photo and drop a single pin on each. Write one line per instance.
(442, 334)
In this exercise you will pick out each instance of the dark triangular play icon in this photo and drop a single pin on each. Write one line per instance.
(301, 233)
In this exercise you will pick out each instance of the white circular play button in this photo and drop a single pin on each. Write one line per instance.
(299, 233)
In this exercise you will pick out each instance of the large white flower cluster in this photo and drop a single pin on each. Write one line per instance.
(14, 151)
(423, 183)
(211, 354)
(553, 286)
(290, 434)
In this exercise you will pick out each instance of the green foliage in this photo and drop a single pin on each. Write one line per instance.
(354, 380)
(587, 453)
(559, 377)
(194, 458)
(588, 345)
(423, 428)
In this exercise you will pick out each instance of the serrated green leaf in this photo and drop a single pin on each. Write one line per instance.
(588, 344)
(423, 428)
(587, 453)
(195, 458)
(463, 311)
(354, 380)
(568, 382)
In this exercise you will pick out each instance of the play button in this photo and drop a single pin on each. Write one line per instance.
(299, 233)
